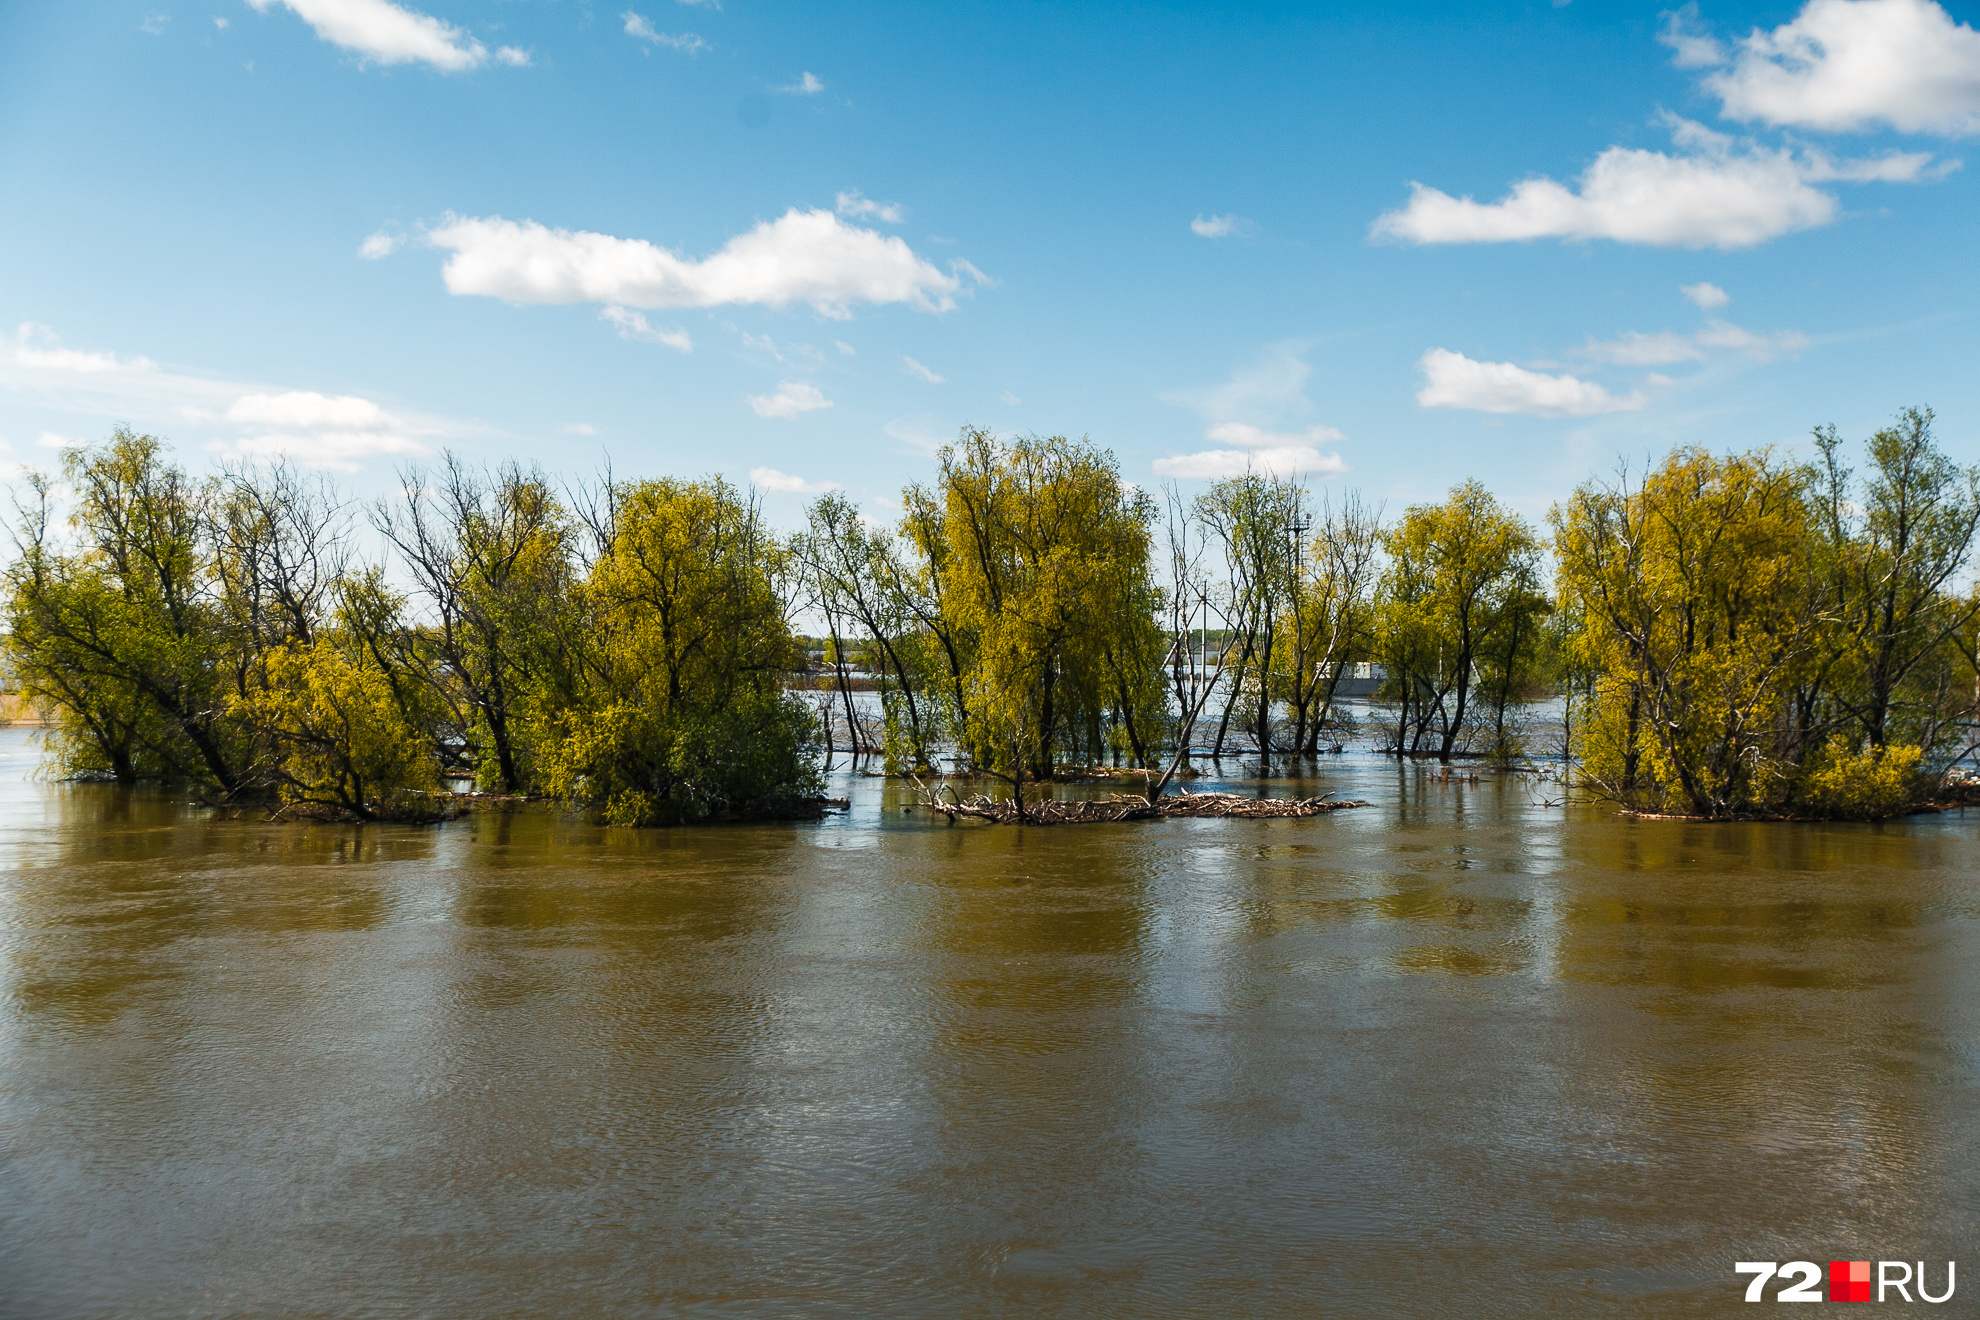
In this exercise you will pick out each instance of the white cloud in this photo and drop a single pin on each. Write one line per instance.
(236, 418)
(1005, 396)
(710, 4)
(1844, 65)
(1220, 226)
(309, 411)
(50, 440)
(769, 478)
(914, 368)
(382, 31)
(847, 349)
(1634, 349)
(317, 430)
(803, 256)
(1255, 449)
(513, 56)
(1704, 295)
(35, 348)
(639, 27)
(1724, 334)
(155, 24)
(578, 428)
(220, 23)
(792, 399)
(1452, 380)
(1247, 436)
(851, 203)
(380, 245)
(1712, 194)
(1694, 50)
(1214, 464)
(631, 325)
(809, 85)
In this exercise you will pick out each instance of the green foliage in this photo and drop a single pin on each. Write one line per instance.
(1867, 783)
(1036, 581)
(1753, 634)
(1460, 602)
(1734, 634)
(683, 715)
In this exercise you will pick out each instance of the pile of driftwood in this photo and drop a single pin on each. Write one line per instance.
(1054, 811)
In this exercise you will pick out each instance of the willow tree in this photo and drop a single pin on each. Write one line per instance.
(349, 710)
(857, 580)
(1039, 556)
(492, 558)
(1699, 610)
(682, 713)
(1258, 520)
(1329, 614)
(123, 626)
(1889, 550)
(1458, 573)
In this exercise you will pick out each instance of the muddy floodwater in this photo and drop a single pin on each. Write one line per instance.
(1459, 1053)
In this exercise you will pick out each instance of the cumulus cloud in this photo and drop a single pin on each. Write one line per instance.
(808, 85)
(1452, 380)
(1704, 295)
(631, 325)
(793, 399)
(1220, 226)
(803, 256)
(380, 245)
(1848, 65)
(385, 32)
(914, 368)
(317, 430)
(1216, 464)
(639, 28)
(1256, 449)
(1712, 192)
(851, 203)
(769, 478)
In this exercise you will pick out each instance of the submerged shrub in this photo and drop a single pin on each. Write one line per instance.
(1866, 783)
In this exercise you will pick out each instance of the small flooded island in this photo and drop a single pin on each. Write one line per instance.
(1725, 637)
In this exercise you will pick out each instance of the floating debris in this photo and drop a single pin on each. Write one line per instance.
(1099, 811)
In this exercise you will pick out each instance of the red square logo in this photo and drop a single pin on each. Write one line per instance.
(1849, 1280)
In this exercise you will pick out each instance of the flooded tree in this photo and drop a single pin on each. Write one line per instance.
(1459, 574)
(682, 713)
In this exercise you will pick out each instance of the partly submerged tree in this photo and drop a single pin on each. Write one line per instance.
(682, 714)
(1459, 574)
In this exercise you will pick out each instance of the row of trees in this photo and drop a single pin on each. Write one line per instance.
(624, 650)
(1732, 634)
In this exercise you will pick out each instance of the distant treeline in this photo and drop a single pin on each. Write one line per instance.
(1732, 635)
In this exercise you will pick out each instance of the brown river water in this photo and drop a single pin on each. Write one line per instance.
(1458, 1053)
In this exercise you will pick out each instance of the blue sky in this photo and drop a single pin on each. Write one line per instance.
(808, 242)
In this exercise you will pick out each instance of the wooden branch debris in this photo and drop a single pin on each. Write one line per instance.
(1096, 811)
